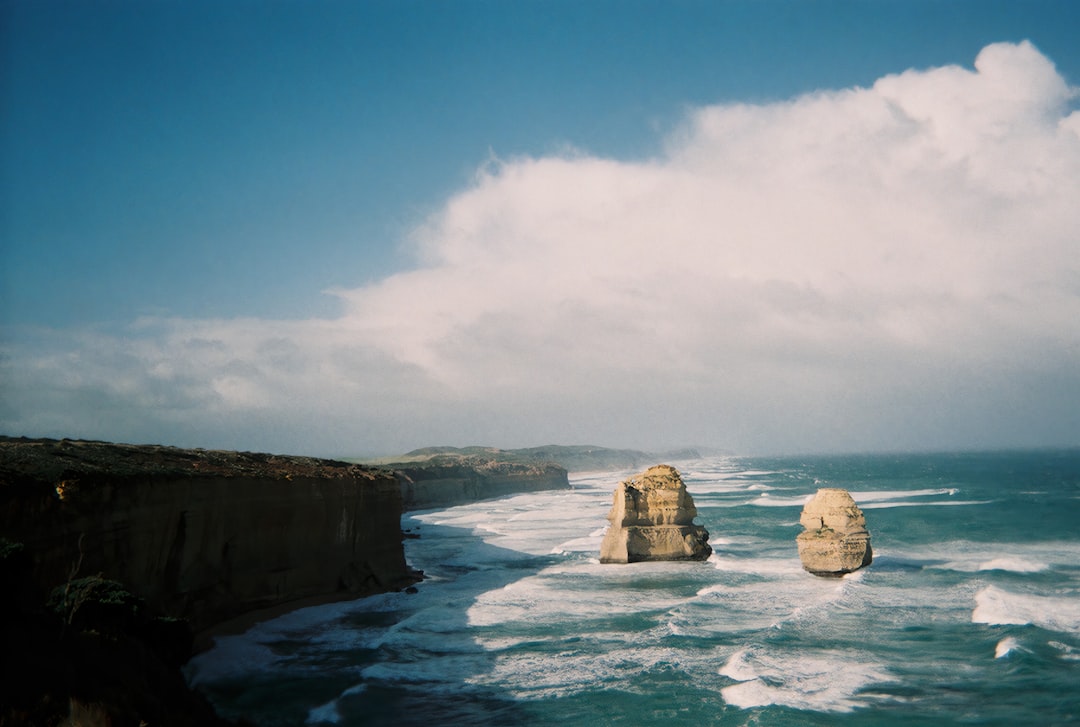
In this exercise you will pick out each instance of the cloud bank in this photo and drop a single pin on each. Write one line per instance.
(889, 267)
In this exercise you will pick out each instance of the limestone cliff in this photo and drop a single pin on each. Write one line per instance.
(203, 535)
(444, 480)
(835, 540)
(573, 458)
(652, 519)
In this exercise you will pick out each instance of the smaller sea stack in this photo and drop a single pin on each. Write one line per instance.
(652, 519)
(836, 540)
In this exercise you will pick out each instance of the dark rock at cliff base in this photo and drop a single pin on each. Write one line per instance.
(835, 541)
(652, 519)
(94, 654)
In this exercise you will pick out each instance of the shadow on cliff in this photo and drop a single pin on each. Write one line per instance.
(409, 658)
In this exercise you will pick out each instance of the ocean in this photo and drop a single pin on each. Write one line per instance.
(968, 615)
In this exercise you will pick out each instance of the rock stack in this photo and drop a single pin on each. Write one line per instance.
(652, 519)
(836, 540)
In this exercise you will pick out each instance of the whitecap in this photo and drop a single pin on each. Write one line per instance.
(934, 503)
(767, 499)
(861, 496)
(738, 667)
(757, 566)
(970, 557)
(976, 562)
(1069, 653)
(1015, 565)
(539, 676)
(1006, 646)
(828, 681)
(997, 606)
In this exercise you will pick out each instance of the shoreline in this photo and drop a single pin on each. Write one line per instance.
(205, 638)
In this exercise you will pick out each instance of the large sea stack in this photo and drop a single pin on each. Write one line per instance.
(652, 519)
(836, 540)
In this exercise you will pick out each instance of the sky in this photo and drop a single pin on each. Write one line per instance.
(357, 228)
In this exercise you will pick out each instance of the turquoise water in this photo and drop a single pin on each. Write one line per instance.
(969, 614)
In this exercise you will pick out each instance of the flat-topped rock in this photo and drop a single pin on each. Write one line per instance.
(652, 518)
(835, 541)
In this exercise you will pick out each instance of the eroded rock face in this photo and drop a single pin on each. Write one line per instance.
(836, 540)
(652, 519)
(201, 534)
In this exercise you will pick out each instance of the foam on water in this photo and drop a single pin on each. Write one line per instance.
(761, 566)
(971, 557)
(533, 523)
(869, 499)
(822, 681)
(578, 668)
(861, 496)
(1069, 653)
(767, 499)
(516, 605)
(997, 606)
(787, 596)
(551, 597)
(1016, 565)
(935, 503)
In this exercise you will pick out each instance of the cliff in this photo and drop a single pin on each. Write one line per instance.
(573, 458)
(202, 535)
(447, 479)
(652, 518)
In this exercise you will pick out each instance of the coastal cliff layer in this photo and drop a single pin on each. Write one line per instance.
(202, 535)
(573, 458)
(444, 481)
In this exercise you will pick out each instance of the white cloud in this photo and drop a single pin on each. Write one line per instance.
(894, 266)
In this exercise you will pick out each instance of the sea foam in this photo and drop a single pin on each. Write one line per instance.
(997, 606)
(1006, 646)
(825, 681)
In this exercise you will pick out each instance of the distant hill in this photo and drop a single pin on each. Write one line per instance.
(573, 458)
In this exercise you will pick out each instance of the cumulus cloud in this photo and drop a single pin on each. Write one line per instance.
(868, 268)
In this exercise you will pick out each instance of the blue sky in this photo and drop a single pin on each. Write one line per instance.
(177, 165)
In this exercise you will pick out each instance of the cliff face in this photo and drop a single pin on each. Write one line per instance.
(199, 534)
(652, 518)
(444, 481)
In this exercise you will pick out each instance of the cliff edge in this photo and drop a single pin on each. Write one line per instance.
(203, 535)
(447, 478)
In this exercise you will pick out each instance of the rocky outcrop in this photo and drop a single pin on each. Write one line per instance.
(652, 519)
(835, 540)
(445, 480)
(203, 535)
(90, 653)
